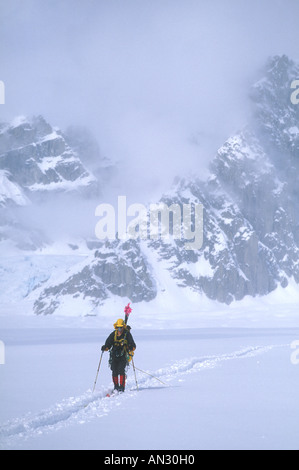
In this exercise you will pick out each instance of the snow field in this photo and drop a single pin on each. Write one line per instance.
(224, 388)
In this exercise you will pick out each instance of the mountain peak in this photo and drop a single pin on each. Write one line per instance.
(275, 117)
(279, 63)
(40, 160)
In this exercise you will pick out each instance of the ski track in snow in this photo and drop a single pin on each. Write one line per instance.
(84, 408)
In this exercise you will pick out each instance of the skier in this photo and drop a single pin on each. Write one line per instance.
(122, 346)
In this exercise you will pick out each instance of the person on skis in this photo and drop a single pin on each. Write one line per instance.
(121, 345)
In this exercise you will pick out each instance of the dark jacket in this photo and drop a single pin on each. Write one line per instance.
(120, 345)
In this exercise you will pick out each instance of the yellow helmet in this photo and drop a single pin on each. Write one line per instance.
(119, 324)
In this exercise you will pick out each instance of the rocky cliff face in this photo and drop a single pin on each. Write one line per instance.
(250, 200)
(117, 268)
(38, 164)
(37, 160)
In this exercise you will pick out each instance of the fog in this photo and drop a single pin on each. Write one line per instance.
(160, 83)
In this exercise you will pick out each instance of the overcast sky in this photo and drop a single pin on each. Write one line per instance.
(160, 83)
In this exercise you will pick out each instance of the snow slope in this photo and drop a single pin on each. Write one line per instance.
(10, 192)
(230, 388)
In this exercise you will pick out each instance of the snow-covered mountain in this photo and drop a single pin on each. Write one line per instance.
(116, 268)
(42, 167)
(251, 221)
(37, 160)
(250, 199)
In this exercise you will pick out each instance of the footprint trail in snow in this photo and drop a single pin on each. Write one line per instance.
(89, 406)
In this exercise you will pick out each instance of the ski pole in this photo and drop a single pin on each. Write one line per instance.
(135, 373)
(95, 382)
(140, 370)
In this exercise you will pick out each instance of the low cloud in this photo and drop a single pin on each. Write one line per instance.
(160, 84)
